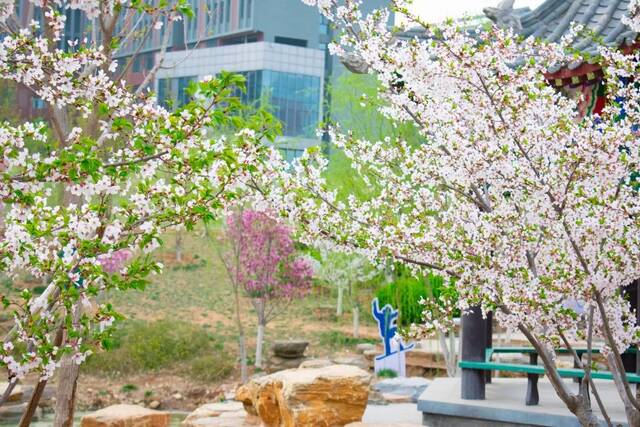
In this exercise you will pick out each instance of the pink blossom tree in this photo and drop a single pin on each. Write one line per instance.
(263, 263)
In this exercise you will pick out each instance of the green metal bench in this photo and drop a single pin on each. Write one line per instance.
(533, 370)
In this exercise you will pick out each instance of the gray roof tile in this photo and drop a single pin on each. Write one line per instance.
(552, 20)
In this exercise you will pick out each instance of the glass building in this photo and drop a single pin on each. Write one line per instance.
(287, 80)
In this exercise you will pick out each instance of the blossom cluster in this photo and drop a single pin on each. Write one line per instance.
(267, 266)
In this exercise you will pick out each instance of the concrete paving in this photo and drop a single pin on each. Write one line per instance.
(393, 414)
(505, 406)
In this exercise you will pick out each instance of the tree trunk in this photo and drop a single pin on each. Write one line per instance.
(178, 246)
(339, 304)
(66, 392)
(259, 341)
(25, 420)
(242, 342)
(242, 347)
(447, 355)
(356, 321)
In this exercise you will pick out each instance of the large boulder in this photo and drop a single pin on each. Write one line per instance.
(289, 349)
(277, 363)
(397, 390)
(221, 414)
(125, 416)
(383, 425)
(316, 363)
(362, 347)
(329, 396)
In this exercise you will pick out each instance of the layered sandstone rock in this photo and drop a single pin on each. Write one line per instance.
(221, 414)
(314, 397)
(126, 416)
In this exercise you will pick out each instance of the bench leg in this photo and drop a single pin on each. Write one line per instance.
(532, 390)
(533, 398)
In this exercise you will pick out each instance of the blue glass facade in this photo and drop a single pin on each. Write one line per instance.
(293, 98)
(173, 92)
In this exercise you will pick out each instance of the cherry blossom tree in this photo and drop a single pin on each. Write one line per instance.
(265, 265)
(532, 209)
(130, 168)
(344, 272)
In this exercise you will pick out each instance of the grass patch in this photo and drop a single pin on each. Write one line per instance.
(128, 388)
(210, 368)
(140, 346)
(387, 373)
(335, 339)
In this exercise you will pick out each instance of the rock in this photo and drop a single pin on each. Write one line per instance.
(277, 363)
(221, 414)
(382, 425)
(154, 404)
(330, 396)
(126, 416)
(362, 347)
(358, 361)
(409, 388)
(289, 349)
(214, 410)
(16, 394)
(177, 396)
(13, 412)
(315, 363)
(390, 398)
(370, 356)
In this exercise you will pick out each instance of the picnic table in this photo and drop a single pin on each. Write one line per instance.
(533, 370)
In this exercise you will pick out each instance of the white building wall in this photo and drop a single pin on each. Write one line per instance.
(243, 57)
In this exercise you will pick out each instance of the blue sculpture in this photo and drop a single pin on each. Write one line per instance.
(388, 328)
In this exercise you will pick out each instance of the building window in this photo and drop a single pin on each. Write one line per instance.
(290, 154)
(221, 16)
(294, 99)
(324, 25)
(150, 62)
(37, 103)
(136, 64)
(172, 93)
(183, 96)
(164, 93)
(192, 23)
(291, 41)
(211, 17)
(247, 38)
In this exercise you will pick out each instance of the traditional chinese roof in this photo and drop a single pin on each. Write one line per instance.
(602, 20)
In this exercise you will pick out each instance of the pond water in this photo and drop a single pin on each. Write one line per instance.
(47, 420)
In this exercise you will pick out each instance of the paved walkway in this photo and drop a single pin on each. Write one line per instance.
(390, 414)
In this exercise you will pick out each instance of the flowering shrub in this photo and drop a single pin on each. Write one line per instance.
(263, 262)
(268, 267)
(524, 203)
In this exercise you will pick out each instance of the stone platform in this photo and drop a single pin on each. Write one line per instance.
(442, 406)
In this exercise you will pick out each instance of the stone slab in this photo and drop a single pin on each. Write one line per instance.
(411, 386)
(441, 405)
(394, 414)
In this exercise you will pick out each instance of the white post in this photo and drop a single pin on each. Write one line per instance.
(339, 305)
(356, 322)
(259, 340)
